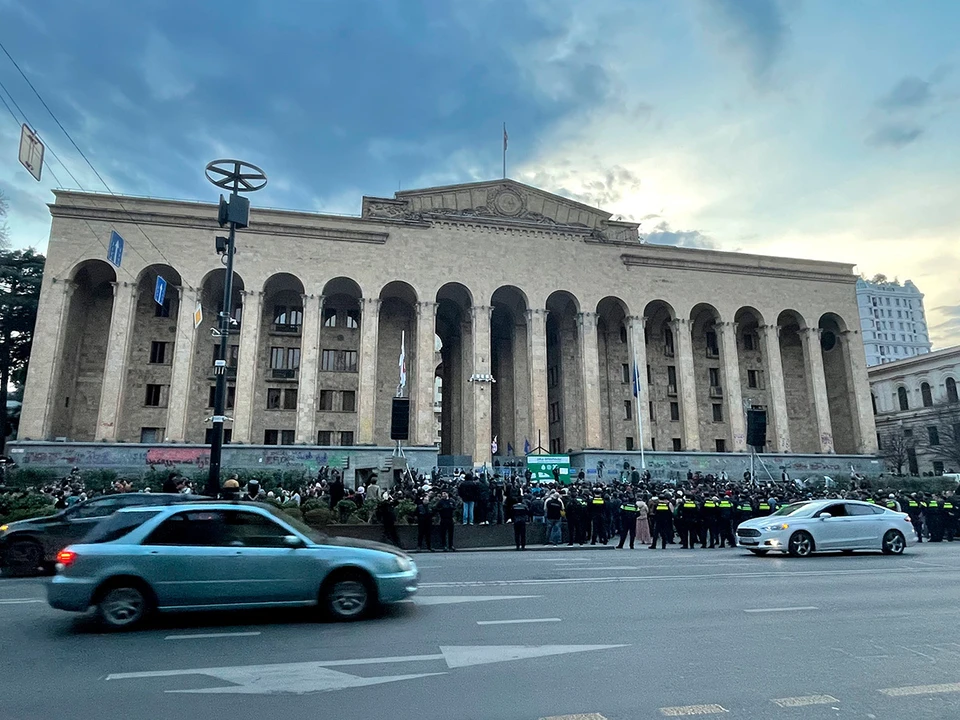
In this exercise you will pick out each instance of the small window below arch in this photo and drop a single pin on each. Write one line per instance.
(926, 395)
(952, 391)
(902, 398)
(623, 334)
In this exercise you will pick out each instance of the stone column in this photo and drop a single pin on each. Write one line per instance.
(181, 374)
(251, 321)
(481, 389)
(115, 364)
(537, 352)
(732, 391)
(818, 387)
(309, 370)
(638, 357)
(590, 374)
(46, 361)
(424, 428)
(688, 384)
(367, 395)
(861, 405)
(779, 436)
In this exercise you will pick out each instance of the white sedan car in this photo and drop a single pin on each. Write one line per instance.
(822, 525)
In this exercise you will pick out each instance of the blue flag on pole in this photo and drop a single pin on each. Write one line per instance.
(636, 381)
(526, 446)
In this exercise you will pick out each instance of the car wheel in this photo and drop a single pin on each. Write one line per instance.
(759, 552)
(893, 542)
(347, 596)
(801, 544)
(122, 607)
(23, 557)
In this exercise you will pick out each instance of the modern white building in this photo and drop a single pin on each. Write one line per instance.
(892, 320)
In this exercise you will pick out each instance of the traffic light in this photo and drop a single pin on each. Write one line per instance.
(221, 245)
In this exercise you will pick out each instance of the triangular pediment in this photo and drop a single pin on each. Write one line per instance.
(503, 202)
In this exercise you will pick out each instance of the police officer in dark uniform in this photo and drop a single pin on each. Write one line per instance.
(744, 509)
(934, 519)
(572, 508)
(688, 519)
(914, 509)
(949, 512)
(598, 518)
(710, 515)
(662, 522)
(628, 521)
(521, 513)
(726, 521)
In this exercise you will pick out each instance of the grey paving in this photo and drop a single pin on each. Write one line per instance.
(642, 634)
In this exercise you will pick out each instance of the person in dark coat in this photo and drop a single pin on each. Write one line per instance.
(424, 517)
(521, 513)
(445, 509)
(387, 515)
(337, 491)
(170, 485)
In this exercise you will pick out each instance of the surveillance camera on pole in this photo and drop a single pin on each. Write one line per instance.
(237, 177)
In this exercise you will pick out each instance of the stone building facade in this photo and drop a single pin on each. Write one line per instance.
(917, 409)
(541, 304)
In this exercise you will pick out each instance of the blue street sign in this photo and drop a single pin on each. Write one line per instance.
(115, 251)
(160, 292)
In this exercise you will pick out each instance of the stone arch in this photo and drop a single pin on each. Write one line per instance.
(338, 342)
(398, 322)
(754, 365)
(797, 383)
(618, 408)
(511, 402)
(709, 382)
(206, 349)
(83, 352)
(454, 330)
(662, 377)
(149, 363)
(564, 372)
(838, 376)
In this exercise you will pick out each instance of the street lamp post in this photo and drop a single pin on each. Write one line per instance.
(236, 176)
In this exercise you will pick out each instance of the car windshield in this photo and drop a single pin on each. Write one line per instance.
(791, 509)
(300, 526)
(117, 525)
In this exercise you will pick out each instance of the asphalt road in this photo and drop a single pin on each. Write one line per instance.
(620, 635)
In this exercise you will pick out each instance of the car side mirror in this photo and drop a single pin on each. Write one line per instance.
(825, 516)
(292, 541)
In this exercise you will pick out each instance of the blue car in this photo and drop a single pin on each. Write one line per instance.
(223, 556)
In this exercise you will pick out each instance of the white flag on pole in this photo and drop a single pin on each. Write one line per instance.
(493, 446)
(403, 359)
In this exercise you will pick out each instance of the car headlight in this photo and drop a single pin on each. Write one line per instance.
(404, 564)
(775, 527)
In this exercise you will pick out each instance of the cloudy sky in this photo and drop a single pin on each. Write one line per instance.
(808, 128)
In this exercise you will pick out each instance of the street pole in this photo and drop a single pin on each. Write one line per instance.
(236, 176)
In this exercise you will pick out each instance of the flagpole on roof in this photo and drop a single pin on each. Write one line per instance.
(636, 392)
(504, 150)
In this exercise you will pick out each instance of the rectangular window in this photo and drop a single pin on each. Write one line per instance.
(353, 319)
(721, 445)
(273, 398)
(271, 437)
(346, 438)
(933, 435)
(937, 467)
(752, 379)
(290, 399)
(908, 433)
(326, 400)
(287, 437)
(748, 342)
(278, 358)
(329, 317)
(629, 443)
(624, 373)
(158, 352)
(328, 360)
(349, 361)
(712, 349)
(714, 377)
(653, 417)
(672, 375)
(325, 437)
(627, 410)
(155, 396)
(649, 376)
(208, 436)
(554, 412)
(231, 396)
(653, 444)
(717, 412)
(349, 401)
(150, 435)
(553, 376)
(288, 318)
(555, 446)
(677, 445)
(293, 358)
(674, 412)
(162, 311)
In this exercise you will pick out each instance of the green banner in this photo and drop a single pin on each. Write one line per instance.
(541, 468)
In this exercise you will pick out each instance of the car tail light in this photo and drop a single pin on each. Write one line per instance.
(66, 557)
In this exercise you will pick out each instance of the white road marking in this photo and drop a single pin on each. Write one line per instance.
(683, 710)
(782, 609)
(425, 600)
(588, 716)
(921, 690)
(805, 700)
(643, 578)
(517, 622)
(20, 601)
(201, 636)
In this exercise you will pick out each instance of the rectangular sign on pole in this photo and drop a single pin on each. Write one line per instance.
(31, 151)
(197, 316)
(160, 292)
(115, 251)
(541, 468)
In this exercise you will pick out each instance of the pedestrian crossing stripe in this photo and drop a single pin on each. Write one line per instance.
(684, 710)
(588, 716)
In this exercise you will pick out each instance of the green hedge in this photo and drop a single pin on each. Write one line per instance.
(21, 508)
